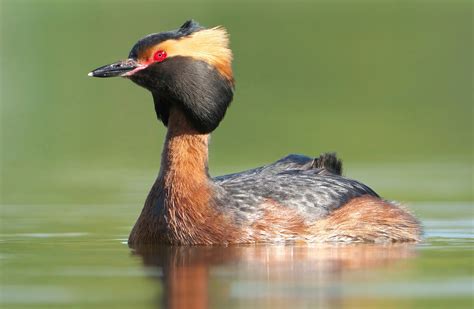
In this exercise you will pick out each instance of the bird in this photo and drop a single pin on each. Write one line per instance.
(297, 199)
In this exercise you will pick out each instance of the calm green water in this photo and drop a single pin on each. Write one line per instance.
(62, 256)
(386, 84)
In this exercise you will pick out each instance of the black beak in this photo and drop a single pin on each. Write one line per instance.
(119, 68)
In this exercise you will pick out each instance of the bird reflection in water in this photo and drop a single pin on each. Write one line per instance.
(275, 276)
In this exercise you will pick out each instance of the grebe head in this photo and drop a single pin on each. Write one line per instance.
(188, 68)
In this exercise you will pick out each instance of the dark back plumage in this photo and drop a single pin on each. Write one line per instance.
(312, 186)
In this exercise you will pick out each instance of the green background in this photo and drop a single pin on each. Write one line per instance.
(388, 85)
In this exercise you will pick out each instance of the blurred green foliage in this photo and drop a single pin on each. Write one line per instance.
(382, 83)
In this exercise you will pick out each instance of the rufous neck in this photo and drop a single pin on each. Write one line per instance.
(185, 153)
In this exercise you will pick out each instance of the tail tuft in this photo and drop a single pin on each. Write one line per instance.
(328, 162)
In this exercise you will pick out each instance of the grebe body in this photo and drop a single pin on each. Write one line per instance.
(296, 199)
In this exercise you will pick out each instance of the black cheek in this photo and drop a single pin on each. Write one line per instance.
(195, 87)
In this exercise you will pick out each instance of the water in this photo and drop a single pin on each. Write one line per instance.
(64, 265)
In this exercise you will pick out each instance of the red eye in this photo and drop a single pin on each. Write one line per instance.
(159, 56)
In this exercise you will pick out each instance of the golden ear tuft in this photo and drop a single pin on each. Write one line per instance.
(209, 45)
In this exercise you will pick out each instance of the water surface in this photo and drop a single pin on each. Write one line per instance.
(65, 265)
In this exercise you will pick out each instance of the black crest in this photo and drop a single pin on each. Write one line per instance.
(188, 28)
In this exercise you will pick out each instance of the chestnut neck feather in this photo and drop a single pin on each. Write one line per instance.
(178, 204)
(184, 168)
